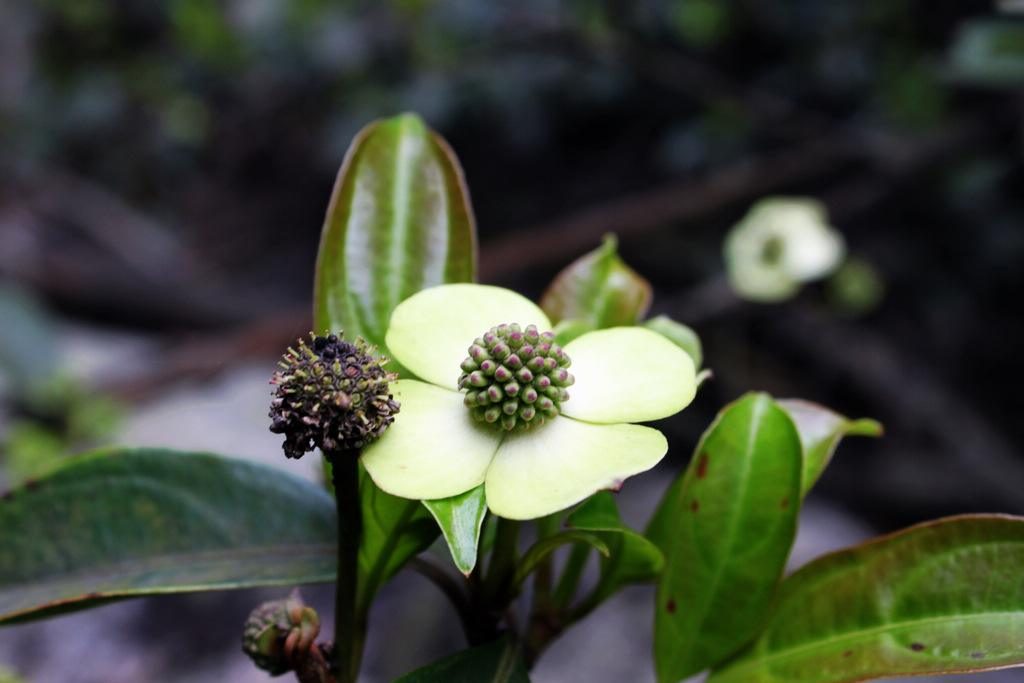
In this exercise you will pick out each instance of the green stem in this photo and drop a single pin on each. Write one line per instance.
(567, 585)
(349, 624)
(543, 576)
(451, 589)
(501, 570)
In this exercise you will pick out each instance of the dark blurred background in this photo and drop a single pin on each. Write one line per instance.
(164, 169)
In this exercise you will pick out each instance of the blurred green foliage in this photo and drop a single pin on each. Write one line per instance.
(52, 414)
(990, 52)
(142, 93)
(225, 121)
(7, 676)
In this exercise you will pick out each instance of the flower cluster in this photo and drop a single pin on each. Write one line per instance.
(515, 377)
(436, 449)
(780, 244)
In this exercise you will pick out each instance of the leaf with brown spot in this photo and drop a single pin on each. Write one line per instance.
(941, 597)
(724, 562)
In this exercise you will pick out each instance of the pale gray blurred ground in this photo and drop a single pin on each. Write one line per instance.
(195, 639)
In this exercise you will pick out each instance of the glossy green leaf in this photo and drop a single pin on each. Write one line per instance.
(820, 431)
(598, 288)
(631, 557)
(394, 531)
(680, 335)
(495, 662)
(123, 522)
(399, 220)
(544, 547)
(941, 597)
(726, 528)
(461, 518)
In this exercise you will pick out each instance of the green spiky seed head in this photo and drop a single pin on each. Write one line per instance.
(331, 394)
(515, 378)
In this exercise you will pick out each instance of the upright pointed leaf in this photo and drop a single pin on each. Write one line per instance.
(631, 557)
(495, 662)
(820, 431)
(461, 518)
(598, 288)
(399, 220)
(131, 522)
(726, 529)
(940, 597)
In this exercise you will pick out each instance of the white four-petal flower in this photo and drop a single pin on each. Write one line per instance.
(436, 450)
(781, 243)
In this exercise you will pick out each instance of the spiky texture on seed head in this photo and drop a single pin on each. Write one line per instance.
(331, 394)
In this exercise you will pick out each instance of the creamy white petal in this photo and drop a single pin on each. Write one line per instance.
(627, 374)
(431, 331)
(544, 470)
(433, 449)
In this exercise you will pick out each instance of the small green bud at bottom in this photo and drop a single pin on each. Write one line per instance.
(281, 634)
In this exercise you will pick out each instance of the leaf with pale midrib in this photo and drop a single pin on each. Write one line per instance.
(942, 597)
(726, 528)
(132, 522)
(399, 220)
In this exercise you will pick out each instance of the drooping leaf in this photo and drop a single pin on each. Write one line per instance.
(399, 220)
(598, 288)
(130, 522)
(820, 431)
(461, 518)
(496, 662)
(680, 335)
(394, 531)
(726, 528)
(941, 597)
(544, 547)
(631, 557)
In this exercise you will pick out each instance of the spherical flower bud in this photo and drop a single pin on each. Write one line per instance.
(333, 395)
(278, 633)
(509, 369)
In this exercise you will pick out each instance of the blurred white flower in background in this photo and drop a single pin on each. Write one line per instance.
(780, 244)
